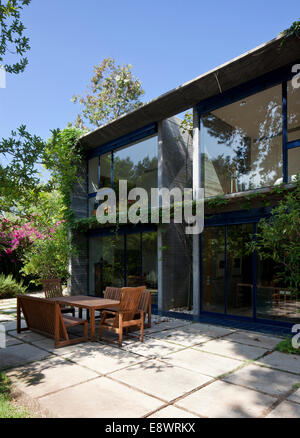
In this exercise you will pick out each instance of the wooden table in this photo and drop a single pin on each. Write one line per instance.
(89, 303)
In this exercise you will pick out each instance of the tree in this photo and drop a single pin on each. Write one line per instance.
(19, 175)
(113, 91)
(12, 39)
(278, 239)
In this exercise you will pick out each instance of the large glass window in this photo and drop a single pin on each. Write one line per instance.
(293, 112)
(93, 175)
(293, 163)
(136, 164)
(242, 144)
(121, 260)
(274, 300)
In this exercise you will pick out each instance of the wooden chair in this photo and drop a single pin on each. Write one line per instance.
(145, 306)
(123, 317)
(45, 317)
(52, 288)
(113, 293)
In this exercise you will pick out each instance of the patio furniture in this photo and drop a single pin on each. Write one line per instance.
(116, 321)
(52, 288)
(44, 316)
(89, 303)
(115, 293)
(145, 306)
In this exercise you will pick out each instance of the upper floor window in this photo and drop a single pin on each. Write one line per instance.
(242, 144)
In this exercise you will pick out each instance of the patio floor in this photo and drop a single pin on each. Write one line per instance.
(182, 370)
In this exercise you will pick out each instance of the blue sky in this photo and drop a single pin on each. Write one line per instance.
(168, 42)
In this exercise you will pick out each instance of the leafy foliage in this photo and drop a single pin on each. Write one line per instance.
(7, 409)
(287, 347)
(278, 239)
(63, 157)
(293, 30)
(9, 287)
(48, 258)
(19, 175)
(12, 39)
(113, 91)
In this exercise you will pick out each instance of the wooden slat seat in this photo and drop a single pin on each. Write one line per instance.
(52, 289)
(124, 316)
(44, 316)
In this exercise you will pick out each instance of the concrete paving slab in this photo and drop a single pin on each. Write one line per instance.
(5, 317)
(286, 409)
(9, 341)
(99, 398)
(151, 347)
(295, 397)
(94, 355)
(12, 325)
(154, 377)
(213, 331)
(27, 336)
(41, 378)
(172, 412)
(202, 362)
(254, 339)
(263, 379)
(159, 326)
(224, 400)
(180, 336)
(282, 361)
(232, 349)
(20, 354)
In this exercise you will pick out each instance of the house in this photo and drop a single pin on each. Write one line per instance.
(244, 140)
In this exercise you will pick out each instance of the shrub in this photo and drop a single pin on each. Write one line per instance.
(9, 287)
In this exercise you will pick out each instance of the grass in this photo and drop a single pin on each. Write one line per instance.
(7, 408)
(287, 347)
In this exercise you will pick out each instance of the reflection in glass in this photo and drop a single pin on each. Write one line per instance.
(273, 299)
(105, 170)
(137, 164)
(293, 110)
(106, 259)
(93, 174)
(293, 163)
(242, 144)
(133, 259)
(213, 269)
(149, 262)
(239, 282)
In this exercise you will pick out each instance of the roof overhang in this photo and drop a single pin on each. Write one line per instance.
(246, 67)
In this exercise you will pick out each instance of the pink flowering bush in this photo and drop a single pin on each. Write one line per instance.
(19, 238)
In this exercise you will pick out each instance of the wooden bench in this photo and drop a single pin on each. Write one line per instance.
(44, 316)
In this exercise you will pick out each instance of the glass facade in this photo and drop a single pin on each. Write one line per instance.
(242, 144)
(123, 260)
(293, 112)
(230, 277)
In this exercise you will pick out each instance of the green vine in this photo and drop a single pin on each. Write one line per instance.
(293, 30)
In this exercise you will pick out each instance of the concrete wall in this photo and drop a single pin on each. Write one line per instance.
(78, 266)
(175, 262)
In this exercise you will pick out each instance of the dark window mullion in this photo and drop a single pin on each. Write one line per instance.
(225, 269)
(284, 133)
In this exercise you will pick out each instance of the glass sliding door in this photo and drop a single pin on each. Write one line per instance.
(129, 259)
(106, 263)
(226, 275)
(133, 259)
(239, 273)
(213, 269)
